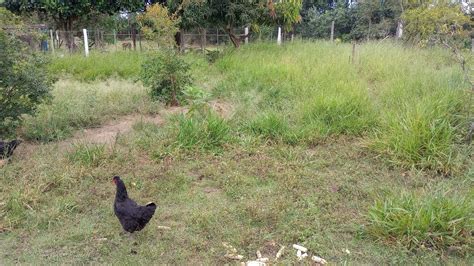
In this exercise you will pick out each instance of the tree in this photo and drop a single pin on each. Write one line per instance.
(229, 14)
(436, 24)
(24, 82)
(158, 25)
(286, 12)
(66, 13)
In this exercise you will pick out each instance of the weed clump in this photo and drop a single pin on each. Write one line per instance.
(417, 222)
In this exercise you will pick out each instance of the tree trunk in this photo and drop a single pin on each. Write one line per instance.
(233, 38)
(174, 99)
(69, 35)
(134, 38)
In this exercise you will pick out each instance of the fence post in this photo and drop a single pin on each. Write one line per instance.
(246, 35)
(279, 36)
(217, 36)
(353, 51)
(332, 31)
(52, 40)
(86, 42)
(115, 40)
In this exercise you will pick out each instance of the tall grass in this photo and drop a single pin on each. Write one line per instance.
(208, 132)
(78, 105)
(432, 221)
(409, 103)
(99, 66)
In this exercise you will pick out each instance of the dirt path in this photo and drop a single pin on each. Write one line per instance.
(108, 132)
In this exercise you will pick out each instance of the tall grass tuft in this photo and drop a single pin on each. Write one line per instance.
(206, 132)
(430, 221)
(88, 154)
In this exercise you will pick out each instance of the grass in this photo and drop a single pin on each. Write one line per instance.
(88, 155)
(332, 157)
(437, 221)
(99, 66)
(77, 105)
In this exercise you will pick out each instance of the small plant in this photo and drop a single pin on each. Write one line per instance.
(433, 222)
(197, 98)
(167, 75)
(87, 154)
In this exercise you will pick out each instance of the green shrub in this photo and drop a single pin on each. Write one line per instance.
(24, 82)
(207, 132)
(167, 75)
(430, 221)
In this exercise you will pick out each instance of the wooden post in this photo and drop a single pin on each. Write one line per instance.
(279, 36)
(86, 42)
(52, 40)
(353, 52)
(332, 31)
(203, 39)
(217, 36)
(246, 32)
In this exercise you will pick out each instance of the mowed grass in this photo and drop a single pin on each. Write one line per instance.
(313, 152)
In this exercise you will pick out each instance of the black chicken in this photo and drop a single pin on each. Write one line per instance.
(7, 148)
(132, 216)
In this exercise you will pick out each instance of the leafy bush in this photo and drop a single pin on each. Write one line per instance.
(434, 222)
(24, 82)
(167, 75)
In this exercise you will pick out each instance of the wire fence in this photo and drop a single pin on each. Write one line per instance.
(73, 42)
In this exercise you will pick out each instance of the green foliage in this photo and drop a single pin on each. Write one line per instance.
(231, 14)
(318, 25)
(158, 25)
(435, 24)
(287, 12)
(24, 82)
(167, 75)
(417, 222)
(87, 154)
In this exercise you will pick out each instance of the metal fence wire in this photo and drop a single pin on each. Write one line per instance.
(65, 42)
